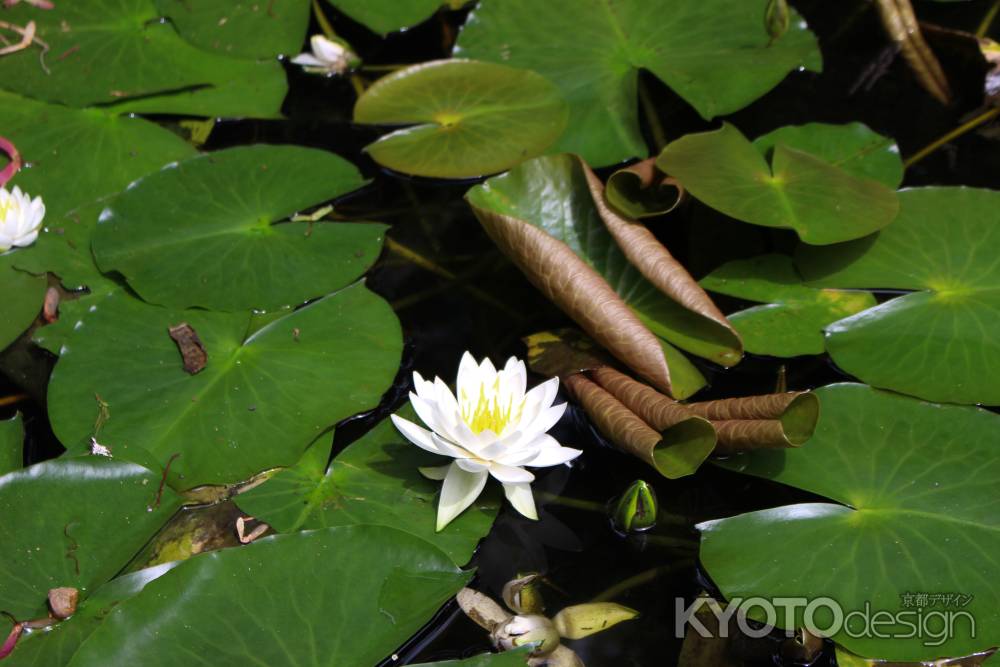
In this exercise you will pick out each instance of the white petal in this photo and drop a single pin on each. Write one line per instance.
(472, 465)
(451, 449)
(467, 380)
(510, 474)
(326, 49)
(539, 399)
(308, 60)
(521, 498)
(437, 473)
(553, 456)
(460, 490)
(425, 439)
(27, 239)
(545, 420)
(424, 389)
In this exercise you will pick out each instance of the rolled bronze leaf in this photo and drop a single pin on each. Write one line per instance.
(743, 435)
(675, 451)
(659, 411)
(767, 421)
(660, 268)
(641, 190)
(903, 28)
(580, 291)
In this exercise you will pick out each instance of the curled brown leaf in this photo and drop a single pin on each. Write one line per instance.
(903, 28)
(641, 190)
(582, 293)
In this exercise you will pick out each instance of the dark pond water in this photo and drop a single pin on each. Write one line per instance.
(486, 307)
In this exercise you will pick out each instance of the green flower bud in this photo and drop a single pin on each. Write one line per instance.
(522, 595)
(635, 510)
(776, 18)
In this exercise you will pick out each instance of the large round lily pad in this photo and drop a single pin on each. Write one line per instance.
(791, 321)
(940, 342)
(11, 444)
(918, 486)
(73, 522)
(716, 54)
(469, 118)
(375, 480)
(385, 16)
(823, 203)
(212, 231)
(119, 51)
(338, 596)
(258, 402)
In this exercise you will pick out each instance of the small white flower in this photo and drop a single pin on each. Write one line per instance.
(20, 218)
(327, 57)
(494, 427)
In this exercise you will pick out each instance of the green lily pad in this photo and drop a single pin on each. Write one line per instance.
(228, 246)
(937, 343)
(798, 190)
(78, 156)
(119, 51)
(792, 323)
(23, 297)
(11, 444)
(73, 522)
(385, 16)
(373, 481)
(338, 596)
(918, 485)
(258, 402)
(853, 147)
(244, 28)
(551, 193)
(470, 118)
(58, 644)
(715, 54)
(515, 658)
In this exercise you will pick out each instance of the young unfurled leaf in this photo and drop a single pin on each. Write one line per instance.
(641, 190)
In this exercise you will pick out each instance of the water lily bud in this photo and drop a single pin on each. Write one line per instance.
(635, 510)
(776, 18)
(523, 596)
(524, 630)
(582, 620)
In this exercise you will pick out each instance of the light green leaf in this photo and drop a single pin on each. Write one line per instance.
(515, 658)
(338, 596)
(852, 147)
(11, 444)
(792, 323)
(257, 404)
(222, 249)
(385, 16)
(938, 343)
(373, 481)
(73, 522)
(119, 51)
(822, 203)
(241, 28)
(713, 53)
(918, 485)
(474, 118)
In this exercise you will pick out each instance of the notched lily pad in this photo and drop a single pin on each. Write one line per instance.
(468, 118)
(213, 231)
(374, 481)
(247, 29)
(937, 342)
(259, 402)
(913, 494)
(792, 319)
(796, 190)
(715, 54)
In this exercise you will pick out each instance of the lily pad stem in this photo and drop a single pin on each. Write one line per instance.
(640, 579)
(984, 25)
(649, 110)
(968, 126)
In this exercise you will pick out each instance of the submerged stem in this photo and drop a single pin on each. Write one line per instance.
(649, 110)
(968, 126)
(987, 21)
(641, 578)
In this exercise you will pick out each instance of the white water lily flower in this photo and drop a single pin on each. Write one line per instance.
(494, 427)
(20, 218)
(327, 57)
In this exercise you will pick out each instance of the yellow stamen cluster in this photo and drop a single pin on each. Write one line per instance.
(489, 412)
